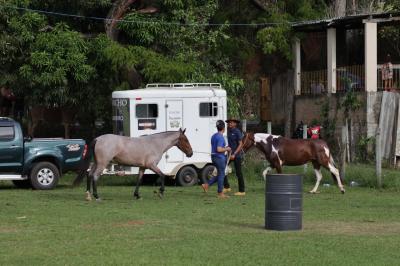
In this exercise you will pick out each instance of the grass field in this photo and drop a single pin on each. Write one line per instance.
(189, 227)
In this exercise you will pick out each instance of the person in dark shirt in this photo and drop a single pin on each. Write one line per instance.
(235, 137)
(218, 158)
(298, 133)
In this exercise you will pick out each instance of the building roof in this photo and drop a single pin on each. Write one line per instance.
(348, 22)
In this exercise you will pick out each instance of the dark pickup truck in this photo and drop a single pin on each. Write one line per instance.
(36, 163)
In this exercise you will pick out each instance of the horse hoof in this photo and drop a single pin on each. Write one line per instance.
(343, 191)
(98, 200)
(314, 192)
(137, 197)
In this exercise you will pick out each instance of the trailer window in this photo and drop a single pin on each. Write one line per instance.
(208, 109)
(6, 133)
(147, 116)
(146, 110)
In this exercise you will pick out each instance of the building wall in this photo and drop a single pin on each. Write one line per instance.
(308, 108)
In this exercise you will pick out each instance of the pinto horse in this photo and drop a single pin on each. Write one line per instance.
(280, 151)
(144, 152)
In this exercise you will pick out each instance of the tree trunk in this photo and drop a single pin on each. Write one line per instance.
(261, 4)
(340, 8)
(119, 9)
(353, 7)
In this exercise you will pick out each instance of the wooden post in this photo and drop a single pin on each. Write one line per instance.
(305, 137)
(244, 125)
(347, 141)
(290, 92)
(378, 154)
(269, 127)
(342, 162)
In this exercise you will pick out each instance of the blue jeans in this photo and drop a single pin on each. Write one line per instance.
(220, 164)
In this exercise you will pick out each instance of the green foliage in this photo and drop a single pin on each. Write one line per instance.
(393, 4)
(362, 152)
(350, 103)
(277, 37)
(57, 67)
(164, 31)
(328, 123)
(390, 35)
(234, 87)
(16, 38)
(25, 27)
(55, 60)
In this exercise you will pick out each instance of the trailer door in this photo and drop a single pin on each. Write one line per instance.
(174, 120)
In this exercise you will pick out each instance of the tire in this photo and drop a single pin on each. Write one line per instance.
(44, 176)
(206, 173)
(22, 183)
(187, 176)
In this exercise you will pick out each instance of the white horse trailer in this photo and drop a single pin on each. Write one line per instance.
(169, 107)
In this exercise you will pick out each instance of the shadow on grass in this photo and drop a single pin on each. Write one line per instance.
(245, 225)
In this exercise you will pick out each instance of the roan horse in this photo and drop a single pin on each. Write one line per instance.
(281, 151)
(144, 152)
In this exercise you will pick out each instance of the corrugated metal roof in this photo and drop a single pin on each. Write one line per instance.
(352, 21)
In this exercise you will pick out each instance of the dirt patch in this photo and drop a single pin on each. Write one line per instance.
(129, 223)
(4, 230)
(88, 226)
(366, 228)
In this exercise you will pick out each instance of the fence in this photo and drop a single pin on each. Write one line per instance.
(314, 82)
(347, 78)
(350, 78)
(396, 77)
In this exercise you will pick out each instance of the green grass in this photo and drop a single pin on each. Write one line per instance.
(189, 227)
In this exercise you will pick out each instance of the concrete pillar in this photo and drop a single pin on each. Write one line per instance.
(297, 66)
(331, 62)
(371, 58)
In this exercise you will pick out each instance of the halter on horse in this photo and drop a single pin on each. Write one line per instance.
(281, 151)
(144, 152)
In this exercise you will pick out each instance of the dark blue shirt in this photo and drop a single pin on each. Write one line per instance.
(234, 137)
(217, 140)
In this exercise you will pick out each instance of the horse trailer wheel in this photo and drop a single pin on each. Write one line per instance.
(187, 176)
(44, 175)
(206, 173)
(22, 183)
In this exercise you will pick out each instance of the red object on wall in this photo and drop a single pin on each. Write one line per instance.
(314, 132)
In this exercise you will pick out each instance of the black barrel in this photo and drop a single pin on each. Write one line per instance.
(283, 202)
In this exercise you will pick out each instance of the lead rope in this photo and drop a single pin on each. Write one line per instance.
(215, 172)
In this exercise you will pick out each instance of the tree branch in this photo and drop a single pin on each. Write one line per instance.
(119, 9)
(261, 4)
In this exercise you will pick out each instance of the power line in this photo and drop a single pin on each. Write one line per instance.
(144, 21)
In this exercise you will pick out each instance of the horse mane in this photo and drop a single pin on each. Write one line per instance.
(159, 133)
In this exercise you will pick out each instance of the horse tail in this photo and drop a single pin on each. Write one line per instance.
(83, 171)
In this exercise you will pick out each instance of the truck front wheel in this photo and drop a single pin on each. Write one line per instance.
(44, 175)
